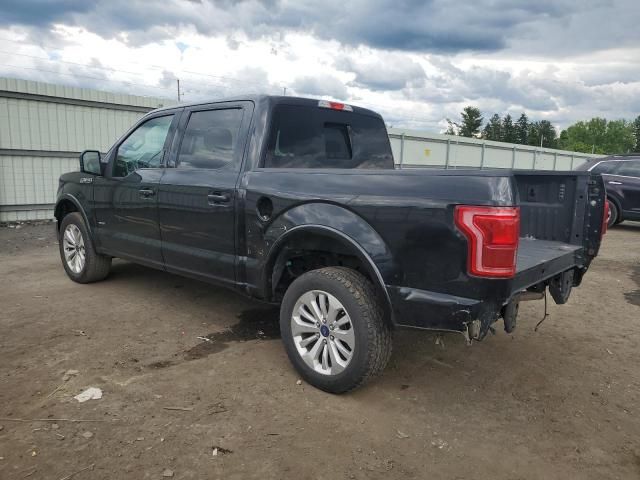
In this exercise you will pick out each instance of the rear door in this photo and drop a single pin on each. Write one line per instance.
(627, 181)
(197, 194)
(125, 199)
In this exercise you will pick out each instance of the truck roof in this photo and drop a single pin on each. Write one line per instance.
(258, 98)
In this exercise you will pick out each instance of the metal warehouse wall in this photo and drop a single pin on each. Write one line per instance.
(43, 129)
(419, 149)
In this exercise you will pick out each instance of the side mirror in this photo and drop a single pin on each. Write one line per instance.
(90, 162)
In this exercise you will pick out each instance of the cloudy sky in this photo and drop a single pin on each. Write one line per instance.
(416, 62)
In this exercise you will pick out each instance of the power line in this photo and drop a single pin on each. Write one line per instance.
(113, 69)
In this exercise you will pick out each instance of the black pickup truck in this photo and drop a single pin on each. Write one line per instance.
(297, 202)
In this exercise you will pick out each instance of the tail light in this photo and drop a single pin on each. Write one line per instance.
(605, 218)
(493, 234)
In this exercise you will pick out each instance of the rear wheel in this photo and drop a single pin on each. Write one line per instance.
(613, 214)
(81, 262)
(334, 330)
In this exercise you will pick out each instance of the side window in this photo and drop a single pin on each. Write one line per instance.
(143, 148)
(629, 168)
(605, 167)
(210, 138)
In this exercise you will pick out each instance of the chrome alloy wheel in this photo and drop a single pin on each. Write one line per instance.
(73, 246)
(322, 332)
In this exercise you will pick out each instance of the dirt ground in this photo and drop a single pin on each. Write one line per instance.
(559, 403)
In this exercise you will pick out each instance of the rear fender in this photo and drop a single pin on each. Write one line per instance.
(337, 223)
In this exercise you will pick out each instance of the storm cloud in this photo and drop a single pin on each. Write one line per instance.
(418, 62)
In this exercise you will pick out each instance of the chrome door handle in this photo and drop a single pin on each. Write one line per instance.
(613, 182)
(147, 192)
(218, 198)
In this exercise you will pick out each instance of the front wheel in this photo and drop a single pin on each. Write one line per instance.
(334, 330)
(81, 262)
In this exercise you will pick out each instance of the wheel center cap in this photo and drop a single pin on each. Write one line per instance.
(324, 330)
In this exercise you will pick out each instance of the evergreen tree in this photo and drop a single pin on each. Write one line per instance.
(493, 129)
(508, 130)
(522, 130)
(471, 122)
(636, 133)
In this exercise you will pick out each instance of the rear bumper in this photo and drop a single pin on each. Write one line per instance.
(431, 310)
(538, 262)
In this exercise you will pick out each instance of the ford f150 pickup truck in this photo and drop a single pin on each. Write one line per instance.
(297, 202)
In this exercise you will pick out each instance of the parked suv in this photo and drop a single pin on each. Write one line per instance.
(622, 181)
(297, 202)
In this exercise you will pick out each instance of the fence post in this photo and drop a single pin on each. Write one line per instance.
(446, 160)
(482, 157)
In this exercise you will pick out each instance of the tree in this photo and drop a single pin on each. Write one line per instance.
(636, 134)
(543, 134)
(452, 129)
(493, 129)
(471, 122)
(508, 130)
(522, 130)
(600, 136)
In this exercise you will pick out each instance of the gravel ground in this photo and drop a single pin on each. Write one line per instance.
(562, 402)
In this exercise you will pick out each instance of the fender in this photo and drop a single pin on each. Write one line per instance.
(69, 197)
(338, 223)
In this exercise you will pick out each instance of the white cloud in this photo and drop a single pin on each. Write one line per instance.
(533, 58)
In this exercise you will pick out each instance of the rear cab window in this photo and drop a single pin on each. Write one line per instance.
(315, 137)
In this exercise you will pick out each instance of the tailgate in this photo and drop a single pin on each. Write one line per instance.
(560, 223)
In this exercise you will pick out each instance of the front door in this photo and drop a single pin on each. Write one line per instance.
(197, 197)
(126, 200)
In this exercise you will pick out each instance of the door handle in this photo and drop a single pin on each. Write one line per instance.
(613, 182)
(218, 198)
(147, 192)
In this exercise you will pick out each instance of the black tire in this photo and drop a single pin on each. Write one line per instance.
(96, 267)
(372, 333)
(613, 214)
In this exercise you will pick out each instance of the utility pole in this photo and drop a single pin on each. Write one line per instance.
(178, 82)
(284, 91)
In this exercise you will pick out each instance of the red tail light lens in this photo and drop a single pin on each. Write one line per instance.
(605, 218)
(493, 234)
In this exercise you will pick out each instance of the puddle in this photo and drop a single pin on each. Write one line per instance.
(254, 324)
(161, 364)
(634, 297)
